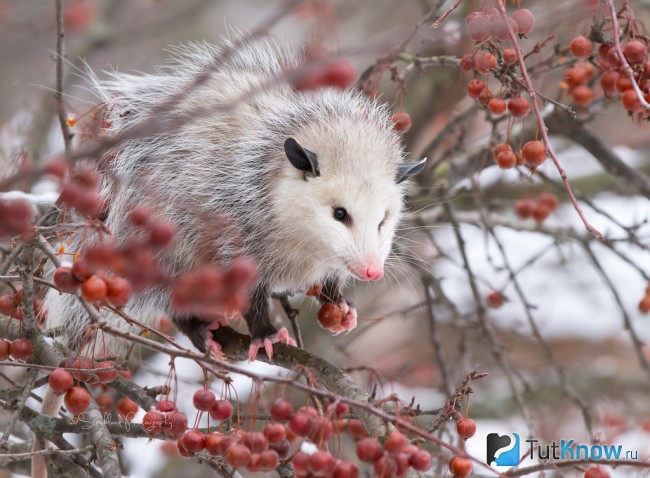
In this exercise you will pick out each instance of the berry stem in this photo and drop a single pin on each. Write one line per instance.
(540, 120)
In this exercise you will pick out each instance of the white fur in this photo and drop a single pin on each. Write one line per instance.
(224, 181)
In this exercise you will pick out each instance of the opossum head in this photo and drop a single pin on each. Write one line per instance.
(342, 191)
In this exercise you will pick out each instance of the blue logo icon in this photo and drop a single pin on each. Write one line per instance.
(502, 450)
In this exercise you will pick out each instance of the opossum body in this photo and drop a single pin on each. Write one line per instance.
(307, 184)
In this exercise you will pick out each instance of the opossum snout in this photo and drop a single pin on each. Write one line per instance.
(368, 270)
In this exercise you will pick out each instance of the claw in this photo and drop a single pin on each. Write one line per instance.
(281, 336)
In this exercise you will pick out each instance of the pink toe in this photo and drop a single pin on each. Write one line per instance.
(268, 347)
(252, 351)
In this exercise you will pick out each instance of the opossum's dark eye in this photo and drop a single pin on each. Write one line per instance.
(340, 214)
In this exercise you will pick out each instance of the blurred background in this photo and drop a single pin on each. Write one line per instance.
(579, 293)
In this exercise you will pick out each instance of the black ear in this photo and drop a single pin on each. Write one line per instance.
(406, 170)
(301, 158)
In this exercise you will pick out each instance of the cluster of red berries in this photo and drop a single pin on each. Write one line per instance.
(11, 306)
(19, 349)
(644, 305)
(211, 289)
(613, 78)
(539, 209)
(77, 398)
(16, 218)
(487, 23)
(533, 154)
(394, 456)
(133, 264)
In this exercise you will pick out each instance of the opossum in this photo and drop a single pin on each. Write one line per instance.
(311, 182)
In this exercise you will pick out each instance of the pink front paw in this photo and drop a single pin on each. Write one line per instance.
(281, 336)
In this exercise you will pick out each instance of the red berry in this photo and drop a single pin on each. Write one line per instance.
(104, 402)
(369, 450)
(524, 208)
(181, 449)
(525, 20)
(221, 410)
(118, 291)
(283, 449)
(534, 153)
(139, 215)
(385, 467)
(127, 408)
(281, 410)
(152, 422)
(631, 102)
(582, 95)
(479, 28)
(21, 349)
(269, 460)
(551, 200)
(582, 47)
(475, 87)
(635, 52)
(357, 430)
(57, 167)
(485, 97)
(7, 305)
(346, 469)
(321, 463)
(420, 460)
(65, 279)
(497, 106)
(106, 376)
(226, 442)
(460, 467)
(509, 56)
(81, 368)
(596, 472)
(467, 63)
(256, 442)
(485, 62)
(5, 346)
(94, 289)
(203, 400)
(238, 456)
(644, 305)
(494, 300)
(623, 83)
(541, 212)
(401, 122)
(608, 82)
(301, 424)
(506, 160)
(300, 462)
(518, 107)
(466, 427)
(193, 441)
(212, 441)
(500, 148)
(60, 381)
(576, 75)
(500, 27)
(329, 316)
(612, 57)
(395, 442)
(77, 400)
(160, 233)
(175, 424)
(341, 74)
(275, 432)
(166, 406)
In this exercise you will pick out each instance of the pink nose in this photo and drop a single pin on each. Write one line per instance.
(373, 272)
